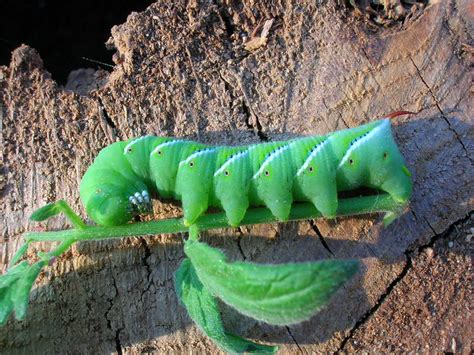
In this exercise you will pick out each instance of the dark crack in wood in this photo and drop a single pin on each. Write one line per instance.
(146, 264)
(239, 245)
(438, 106)
(105, 114)
(226, 21)
(293, 338)
(320, 237)
(118, 344)
(409, 254)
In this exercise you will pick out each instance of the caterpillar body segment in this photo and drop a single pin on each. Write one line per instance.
(194, 182)
(231, 186)
(137, 152)
(272, 179)
(124, 175)
(341, 140)
(315, 179)
(383, 168)
(164, 164)
(274, 182)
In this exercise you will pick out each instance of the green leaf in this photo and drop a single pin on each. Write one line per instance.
(15, 287)
(21, 293)
(13, 274)
(45, 212)
(203, 310)
(276, 294)
(6, 305)
(19, 253)
(52, 209)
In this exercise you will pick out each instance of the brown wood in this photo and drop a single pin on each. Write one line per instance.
(182, 70)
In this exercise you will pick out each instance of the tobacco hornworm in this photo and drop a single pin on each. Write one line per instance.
(124, 176)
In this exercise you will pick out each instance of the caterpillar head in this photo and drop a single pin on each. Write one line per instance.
(375, 161)
(107, 186)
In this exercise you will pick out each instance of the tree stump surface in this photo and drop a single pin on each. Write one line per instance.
(181, 69)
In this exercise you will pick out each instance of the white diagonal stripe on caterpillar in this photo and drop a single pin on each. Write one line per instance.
(311, 155)
(269, 159)
(166, 144)
(197, 154)
(230, 161)
(129, 145)
(359, 141)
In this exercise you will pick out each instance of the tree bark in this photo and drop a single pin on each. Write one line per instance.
(181, 70)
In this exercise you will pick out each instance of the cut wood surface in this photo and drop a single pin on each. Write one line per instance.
(181, 69)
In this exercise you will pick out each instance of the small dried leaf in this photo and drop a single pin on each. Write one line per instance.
(256, 42)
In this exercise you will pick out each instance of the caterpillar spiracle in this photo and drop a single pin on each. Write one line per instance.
(126, 174)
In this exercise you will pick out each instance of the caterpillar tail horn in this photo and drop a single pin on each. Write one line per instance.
(399, 113)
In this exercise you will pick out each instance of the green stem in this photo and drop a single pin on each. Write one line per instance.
(61, 248)
(73, 217)
(349, 206)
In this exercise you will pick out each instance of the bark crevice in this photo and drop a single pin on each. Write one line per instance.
(410, 254)
(320, 237)
(438, 106)
(288, 329)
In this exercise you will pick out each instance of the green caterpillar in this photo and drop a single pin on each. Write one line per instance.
(312, 170)
(125, 175)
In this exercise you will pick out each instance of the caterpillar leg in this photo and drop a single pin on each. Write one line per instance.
(280, 207)
(321, 192)
(194, 205)
(235, 210)
(326, 201)
(140, 202)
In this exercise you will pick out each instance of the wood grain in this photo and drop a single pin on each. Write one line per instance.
(182, 70)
